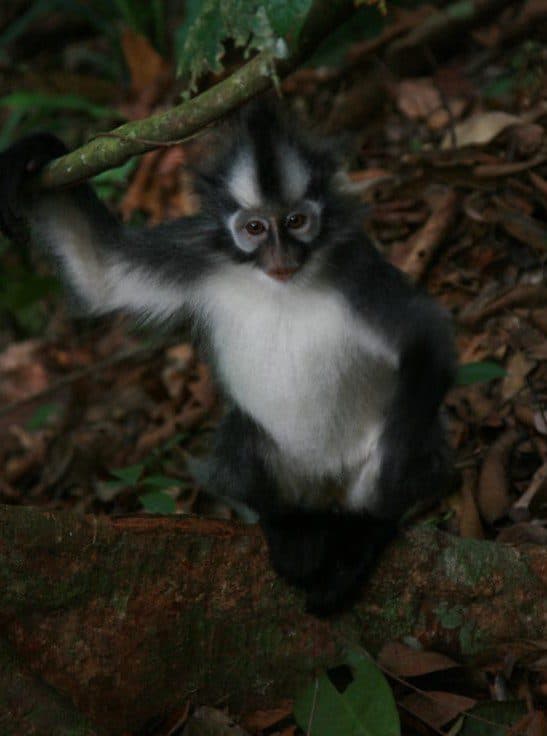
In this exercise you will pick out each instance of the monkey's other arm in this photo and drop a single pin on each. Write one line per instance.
(152, 272)
(414, 453)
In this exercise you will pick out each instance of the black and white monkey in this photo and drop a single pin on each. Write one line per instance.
(334, 365)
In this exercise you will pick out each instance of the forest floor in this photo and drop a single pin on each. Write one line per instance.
(102, 418)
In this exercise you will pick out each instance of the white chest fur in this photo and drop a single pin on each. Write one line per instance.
(297, 360)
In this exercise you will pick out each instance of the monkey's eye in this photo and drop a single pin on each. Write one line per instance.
(296, 221)
(255, 227)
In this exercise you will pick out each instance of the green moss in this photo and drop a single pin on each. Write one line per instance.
(450, 617)
(470, 563)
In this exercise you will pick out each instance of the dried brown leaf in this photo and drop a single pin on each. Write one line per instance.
(518, 367)
(404, 661)
(436, 708)
(21, 371)
(493, 492)
(418, 98)
(470, 521)
(524, 228)
(443, 117)
(262, 719)
(522, 295)
(174, 375)
(479, 129)
(143, 61)
(537, 485)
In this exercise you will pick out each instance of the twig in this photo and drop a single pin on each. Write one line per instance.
(440, 31)
(523, 295)
(130, 354)
(487, 170)
(429, 237)
(186, 119)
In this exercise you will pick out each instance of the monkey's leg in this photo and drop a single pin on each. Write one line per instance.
(298, 541)
(328, 554)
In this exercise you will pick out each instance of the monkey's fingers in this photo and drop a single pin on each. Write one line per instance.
(17, 164)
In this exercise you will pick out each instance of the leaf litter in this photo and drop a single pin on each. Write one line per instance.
(454, 173)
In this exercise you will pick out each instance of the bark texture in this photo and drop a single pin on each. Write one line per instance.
(127, 619)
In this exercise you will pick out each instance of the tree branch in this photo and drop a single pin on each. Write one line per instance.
(186, 119)
(130, 617)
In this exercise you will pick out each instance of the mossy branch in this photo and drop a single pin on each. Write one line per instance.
(185, 120)
(128, 617)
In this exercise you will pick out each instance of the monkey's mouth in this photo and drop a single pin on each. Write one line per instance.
(281, 274)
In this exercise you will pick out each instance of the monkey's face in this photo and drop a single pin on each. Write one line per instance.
(273, 192)
(275, 214)
(279, 240)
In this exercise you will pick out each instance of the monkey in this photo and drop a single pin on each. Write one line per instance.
(334, 366)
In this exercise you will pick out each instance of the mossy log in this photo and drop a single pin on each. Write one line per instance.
(127, 619)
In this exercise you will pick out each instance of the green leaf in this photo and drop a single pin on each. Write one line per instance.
(110, 182)
(42, 415)
(479, 372)
(31, 101)
(129, 475)
(158, 503)
(364, 24)
(365, 708)
(502, 87)
(25, 288)
(161, 482)
(255, 26)
(493, 718)
(23, 20)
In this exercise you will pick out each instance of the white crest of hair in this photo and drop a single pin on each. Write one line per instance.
(305, 368)
(295, 173)
(242, 181)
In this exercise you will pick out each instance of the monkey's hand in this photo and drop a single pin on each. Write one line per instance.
(17, 164)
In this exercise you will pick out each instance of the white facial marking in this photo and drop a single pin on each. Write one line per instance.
(246, 241)
(243, 182)
(295, 174)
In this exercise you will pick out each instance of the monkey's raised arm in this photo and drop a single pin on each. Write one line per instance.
(152, 272)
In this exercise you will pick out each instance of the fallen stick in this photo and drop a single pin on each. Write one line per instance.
(426, 241)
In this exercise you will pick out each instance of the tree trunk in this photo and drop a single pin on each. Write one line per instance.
(129, 618)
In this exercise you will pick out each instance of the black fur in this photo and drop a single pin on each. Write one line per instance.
(327, 553)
